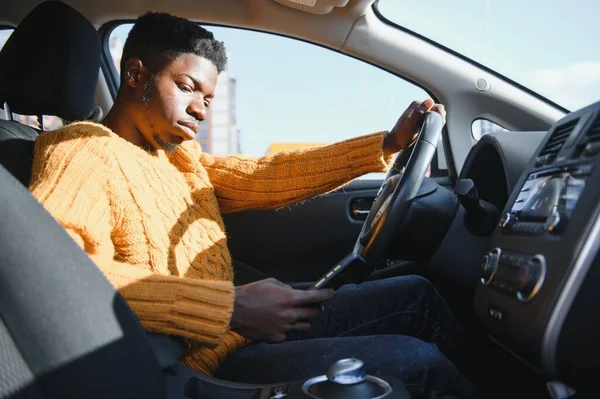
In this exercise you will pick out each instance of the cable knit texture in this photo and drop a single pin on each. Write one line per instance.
(152, 222)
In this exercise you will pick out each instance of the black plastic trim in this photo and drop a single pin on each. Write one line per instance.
(106, 64)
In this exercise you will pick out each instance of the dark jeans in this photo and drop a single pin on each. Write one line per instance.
(398, 327)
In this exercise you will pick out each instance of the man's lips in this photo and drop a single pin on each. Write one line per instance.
(190, 128)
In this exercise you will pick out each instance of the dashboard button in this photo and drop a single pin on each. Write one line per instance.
(592, 148)
(582, 171)
(507, 221)
(489, 265)
(497, 313)
(541, 160)
(522, 261)
(519, 227)
(556, 223)
(279, 392)
(532, 278)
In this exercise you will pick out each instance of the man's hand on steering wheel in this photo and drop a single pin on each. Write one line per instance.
(404, 133)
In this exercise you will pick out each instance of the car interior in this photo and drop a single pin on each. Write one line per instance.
(507, 227)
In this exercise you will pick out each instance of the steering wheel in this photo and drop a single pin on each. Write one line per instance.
(390, 207)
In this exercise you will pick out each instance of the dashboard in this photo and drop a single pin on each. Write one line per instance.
(496, 162)
(538, 289)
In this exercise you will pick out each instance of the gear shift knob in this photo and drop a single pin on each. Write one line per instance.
(347, 378)
(347, 371)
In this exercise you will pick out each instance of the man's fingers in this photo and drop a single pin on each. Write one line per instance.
(276, 337)
(278, 283)
(301, 315)
(425, 106)
(300, 326)
(308, 313)
(440, 109)
(415, 112)
(293, 315)
(302, 297)
(414, 105)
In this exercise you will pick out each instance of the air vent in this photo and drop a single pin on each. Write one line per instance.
(555, 143)
(589, 144)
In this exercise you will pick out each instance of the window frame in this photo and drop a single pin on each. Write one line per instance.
(7, 27)
(2, 28)
(113, 81)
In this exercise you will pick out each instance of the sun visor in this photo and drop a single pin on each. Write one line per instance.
(313, 6)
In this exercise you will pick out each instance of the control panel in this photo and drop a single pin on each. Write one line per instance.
(540, 277)
(546, 201)
(513, 273)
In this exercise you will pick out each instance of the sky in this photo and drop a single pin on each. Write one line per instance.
(291, 91)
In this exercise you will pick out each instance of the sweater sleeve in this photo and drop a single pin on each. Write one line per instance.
(287, 177)
(71, 180)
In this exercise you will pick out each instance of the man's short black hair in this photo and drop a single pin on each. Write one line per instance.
(157, 38)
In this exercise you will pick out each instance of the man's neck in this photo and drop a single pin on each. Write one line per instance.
(119, 120)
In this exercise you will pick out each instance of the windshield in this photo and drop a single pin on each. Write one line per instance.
(551, 47)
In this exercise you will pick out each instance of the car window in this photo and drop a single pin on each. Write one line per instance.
(50, 122)
(547, 46)
(480, 127)
(4, 35)
(280, 93)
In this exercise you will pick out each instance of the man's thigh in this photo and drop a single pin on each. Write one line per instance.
(420, 365)
(407, 305)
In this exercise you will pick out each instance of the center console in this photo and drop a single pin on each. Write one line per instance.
(537, 294)
(345, 379)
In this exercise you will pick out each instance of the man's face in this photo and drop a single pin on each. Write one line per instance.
(175, 100)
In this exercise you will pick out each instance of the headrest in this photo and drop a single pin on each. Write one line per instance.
(50, 64)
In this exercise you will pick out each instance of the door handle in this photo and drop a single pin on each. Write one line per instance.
(360, 207)
(360, 213)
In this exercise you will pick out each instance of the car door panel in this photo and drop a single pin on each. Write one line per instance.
(302, 241)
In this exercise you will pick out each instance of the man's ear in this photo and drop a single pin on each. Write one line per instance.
(134, 72)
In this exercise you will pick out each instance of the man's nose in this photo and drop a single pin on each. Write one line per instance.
(197, 109)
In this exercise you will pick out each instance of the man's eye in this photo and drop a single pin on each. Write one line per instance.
(185, 88)
(207, 104)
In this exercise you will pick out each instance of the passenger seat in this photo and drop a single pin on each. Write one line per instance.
(48, 66)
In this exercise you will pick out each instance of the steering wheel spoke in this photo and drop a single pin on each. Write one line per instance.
(379, 208)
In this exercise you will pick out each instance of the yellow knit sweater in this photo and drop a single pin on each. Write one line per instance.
(152, 222)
